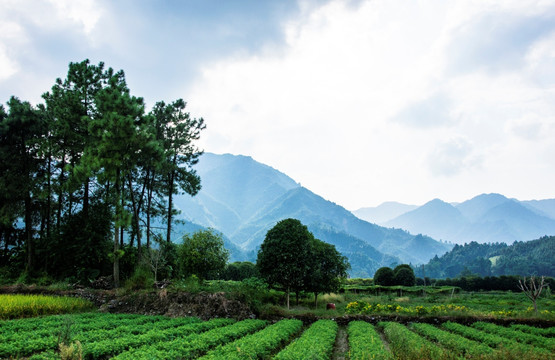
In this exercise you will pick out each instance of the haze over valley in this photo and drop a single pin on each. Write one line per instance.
(243, 199)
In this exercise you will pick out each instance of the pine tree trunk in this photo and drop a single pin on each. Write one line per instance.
(148, 206)
(86, 201)
(288, 298)
(116, 234)
(61, 193)
(28, 233)
(170, 206)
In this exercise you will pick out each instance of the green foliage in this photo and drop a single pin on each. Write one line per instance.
(408, 345)
(240, 270)
(259, 345)
(315, 343)
(404, 276)
(497, 259)
(192, 346)
(292, 259)
(328, 268)
(365, 342)
(457, 343)
(17, 306)
(384, 276)
(282, 258)
(85, 169)
(203, 254)
(142, 278)
(492, 340)
(521, 337)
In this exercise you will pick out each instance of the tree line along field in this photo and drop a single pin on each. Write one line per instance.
(131, 336)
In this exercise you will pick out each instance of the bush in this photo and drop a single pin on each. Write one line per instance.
(141, 279)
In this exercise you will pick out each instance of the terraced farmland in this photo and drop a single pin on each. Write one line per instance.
(119, 336)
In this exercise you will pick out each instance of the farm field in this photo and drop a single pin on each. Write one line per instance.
(128, 336)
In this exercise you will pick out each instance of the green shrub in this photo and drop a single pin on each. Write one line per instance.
(142, 278)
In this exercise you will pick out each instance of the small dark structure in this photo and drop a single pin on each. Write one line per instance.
(330, 306)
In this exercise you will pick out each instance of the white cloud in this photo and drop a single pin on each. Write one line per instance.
(22, 20)
(325, 108)
(86, 13)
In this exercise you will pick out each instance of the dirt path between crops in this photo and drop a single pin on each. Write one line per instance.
(341, 348)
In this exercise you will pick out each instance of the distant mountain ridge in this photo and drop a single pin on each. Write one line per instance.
(243, 199)
(485, 218)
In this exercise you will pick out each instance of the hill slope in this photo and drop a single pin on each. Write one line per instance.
(484, 218)
(384, 212)
(243, 199)
(521, 258)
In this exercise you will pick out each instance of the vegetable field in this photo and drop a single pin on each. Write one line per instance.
(125, 336)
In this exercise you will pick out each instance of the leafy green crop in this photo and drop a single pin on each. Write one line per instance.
(258, 345)
(516, 335)
(365, 342)
(315, 343)
(194, 345)
(406, 344)
(461, 345)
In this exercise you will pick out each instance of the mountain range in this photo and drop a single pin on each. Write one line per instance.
(485, 218)
(243, 199)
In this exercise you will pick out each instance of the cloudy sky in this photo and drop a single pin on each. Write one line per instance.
(359, 101)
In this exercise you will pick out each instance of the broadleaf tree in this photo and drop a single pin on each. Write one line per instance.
(328, 269)
(283, 256)
(203, 254)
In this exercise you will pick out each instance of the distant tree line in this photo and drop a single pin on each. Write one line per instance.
(402, 275)
(487, 283)
(84, 175)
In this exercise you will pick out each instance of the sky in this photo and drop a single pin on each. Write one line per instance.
(359, 101)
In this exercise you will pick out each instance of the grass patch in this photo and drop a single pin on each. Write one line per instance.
(19, 306)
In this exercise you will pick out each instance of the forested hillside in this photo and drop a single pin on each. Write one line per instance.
(521, 258)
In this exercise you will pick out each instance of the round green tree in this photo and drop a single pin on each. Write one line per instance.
(384, 276)
(404, 276)
(283, 256)
(203, 254)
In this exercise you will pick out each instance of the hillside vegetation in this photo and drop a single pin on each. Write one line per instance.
(521, 258)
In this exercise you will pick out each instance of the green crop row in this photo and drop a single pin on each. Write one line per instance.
(492, 340)
(547, 332)
(516, 335)
(83, 319)
(315, 343)
(18, 306)
(406, 344)
(457, 343)
(365, 342)
(259, 345)
(111, 347)
(97, 329)
(20, 345)
(194, 345)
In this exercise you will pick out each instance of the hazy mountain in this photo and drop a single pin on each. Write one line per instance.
(383, 212)
(475, 208)
(542, 207)
(484, 218)
(315, 211)
(243, 199)
(234, 188)
(436, 218)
